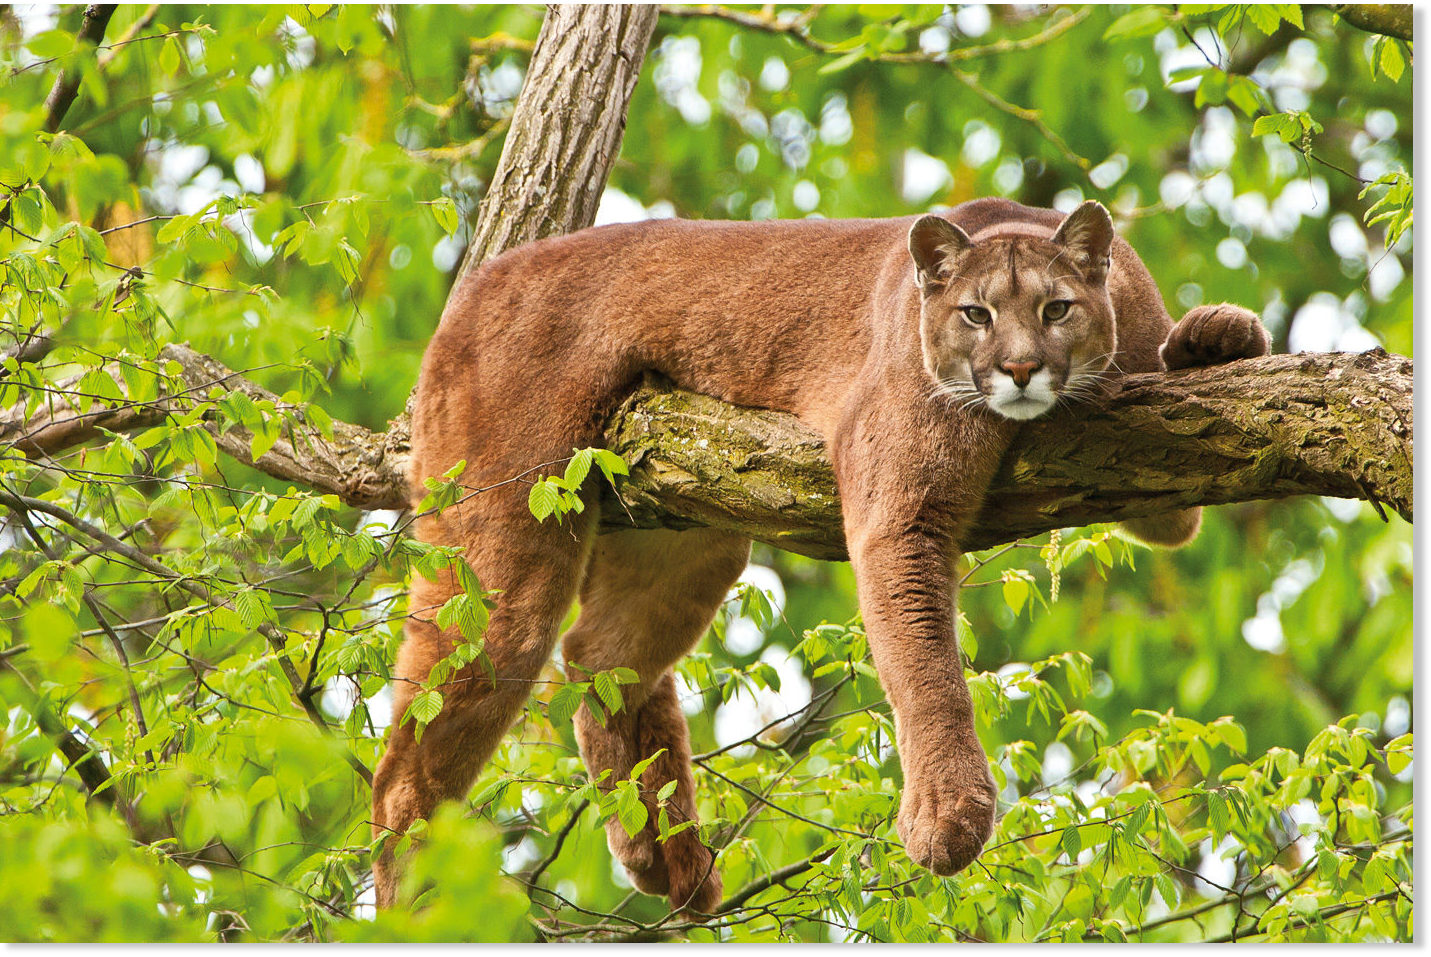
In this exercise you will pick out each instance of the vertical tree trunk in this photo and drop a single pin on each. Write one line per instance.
(567, 127)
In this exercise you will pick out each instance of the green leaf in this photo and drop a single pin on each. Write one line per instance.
(631, 810)
(610, 463)
(444, 210)
(1071, 842)
(319, 419)
(641, 766)
(1016, 591)
(347, 259)
(1393, 64)
(27, 211)
(1167, 889)
(1264, 17)
(577, 469)
(51, 43)
(1217, 813)
(1142, 22)
(543, 499)
(607, 690)
(253, 608)
(1244, 94)
(1232, 735)
(1212, 90)
(170, 57)
(1291, 12)
(565, 702)
(424, 707)
(1282, 124)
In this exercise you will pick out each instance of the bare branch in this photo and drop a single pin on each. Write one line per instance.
(62, 94)
(797, 30)
(1387, 19)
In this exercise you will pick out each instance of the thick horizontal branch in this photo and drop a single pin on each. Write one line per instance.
(1387, 19)
(1334, 424)
(1337, 424)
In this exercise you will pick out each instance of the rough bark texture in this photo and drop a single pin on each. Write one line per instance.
(566, 128)
(1318, 424)
(1387, 19)
(1312, 424)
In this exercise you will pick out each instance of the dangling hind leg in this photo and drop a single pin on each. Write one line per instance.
(537, 568)
(647, 598)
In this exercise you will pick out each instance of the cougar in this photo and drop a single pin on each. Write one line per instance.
(915, 346)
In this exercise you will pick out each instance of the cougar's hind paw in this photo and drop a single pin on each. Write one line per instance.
(1212, 335)
(696, 886)
(643, 860)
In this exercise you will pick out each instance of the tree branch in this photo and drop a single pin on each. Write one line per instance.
(62, 94)
(277, 641)
(85, 762)
(797, 30)
(1337, 424)
(1310, 424)
(362, 467)
(1386, 19)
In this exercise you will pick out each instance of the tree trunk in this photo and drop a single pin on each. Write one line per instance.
(567, 126)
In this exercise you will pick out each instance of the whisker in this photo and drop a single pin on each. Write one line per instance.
(960, 390)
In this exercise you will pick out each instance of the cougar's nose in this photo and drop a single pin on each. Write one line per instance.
(1021, 371)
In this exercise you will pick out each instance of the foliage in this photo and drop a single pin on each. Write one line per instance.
(193, 654)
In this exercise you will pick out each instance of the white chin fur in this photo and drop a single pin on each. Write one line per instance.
(1030, 402)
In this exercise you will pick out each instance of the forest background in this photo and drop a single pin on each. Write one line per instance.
(1205, 744)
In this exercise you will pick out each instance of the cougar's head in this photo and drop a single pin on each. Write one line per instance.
(1017, 319)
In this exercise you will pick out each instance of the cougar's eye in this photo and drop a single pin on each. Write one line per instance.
(977, 315)
(1056, 310)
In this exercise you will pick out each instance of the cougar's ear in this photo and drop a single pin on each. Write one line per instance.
(1088, 234)
(932, 242)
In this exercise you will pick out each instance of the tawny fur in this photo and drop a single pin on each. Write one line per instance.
(853, 326)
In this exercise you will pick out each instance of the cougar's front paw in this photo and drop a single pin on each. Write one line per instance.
(944, 823)
(1212, 335)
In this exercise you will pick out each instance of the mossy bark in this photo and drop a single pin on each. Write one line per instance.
(1311, 424)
